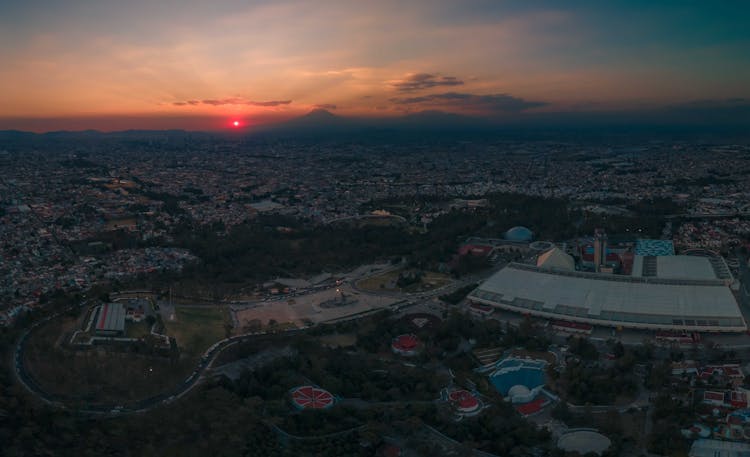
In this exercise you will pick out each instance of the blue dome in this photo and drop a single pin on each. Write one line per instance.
(520, 234)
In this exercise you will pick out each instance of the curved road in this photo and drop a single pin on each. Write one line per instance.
(19, 369)
(139, 406)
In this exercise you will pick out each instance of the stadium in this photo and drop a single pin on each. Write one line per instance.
(669, 293)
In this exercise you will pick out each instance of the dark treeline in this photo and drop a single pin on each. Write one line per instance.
(271, 246)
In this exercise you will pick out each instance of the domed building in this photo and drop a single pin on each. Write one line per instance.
(557, 259)
(519, 234)
(520, 394)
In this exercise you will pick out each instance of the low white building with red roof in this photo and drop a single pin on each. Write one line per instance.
(311, 397)
(405, 345)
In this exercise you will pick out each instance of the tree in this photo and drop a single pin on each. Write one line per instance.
(561, 412)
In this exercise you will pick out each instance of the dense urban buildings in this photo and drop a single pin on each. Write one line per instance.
(285, 228)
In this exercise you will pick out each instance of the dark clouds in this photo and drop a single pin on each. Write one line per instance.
(490, 104)
(421, 81)
(232, 101)
(270, 103)
(189, 102)
(327, 106)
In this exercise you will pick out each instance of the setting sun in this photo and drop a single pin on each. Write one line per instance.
(236, 123)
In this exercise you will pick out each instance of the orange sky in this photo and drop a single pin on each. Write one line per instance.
(266, 61)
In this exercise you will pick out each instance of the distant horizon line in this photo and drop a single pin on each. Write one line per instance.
(670, 117)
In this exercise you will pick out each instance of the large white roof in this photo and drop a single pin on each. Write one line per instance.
(592, 297)
(677, 267)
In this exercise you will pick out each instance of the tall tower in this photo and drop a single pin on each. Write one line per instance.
(600, 249)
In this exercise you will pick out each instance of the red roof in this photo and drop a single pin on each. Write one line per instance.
(463, 399)
(576, 325)
(587, 254)
(481, 307)
(729, 370)
(103, 316)
(532, 407)
(710, 395)
(474, 249)
(391, 450)
(309, 397)
(405, 342)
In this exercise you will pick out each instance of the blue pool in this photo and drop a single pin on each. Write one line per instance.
(513, 372)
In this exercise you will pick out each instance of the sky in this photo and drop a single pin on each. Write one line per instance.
(109, 65)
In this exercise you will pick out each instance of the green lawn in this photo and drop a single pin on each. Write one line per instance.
(197, 328)
(430, 280)
(136, 329)
(381, 281)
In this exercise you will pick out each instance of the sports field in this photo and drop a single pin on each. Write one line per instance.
(97, 375)
(197, 328)
(137, 329)
(384, 281)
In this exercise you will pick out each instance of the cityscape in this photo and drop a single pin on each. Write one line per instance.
(376, 237)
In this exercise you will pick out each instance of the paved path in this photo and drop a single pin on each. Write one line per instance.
(205, 363)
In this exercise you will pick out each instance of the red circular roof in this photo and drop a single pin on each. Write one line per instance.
(463, 399)
(309, 397)
(405, 342)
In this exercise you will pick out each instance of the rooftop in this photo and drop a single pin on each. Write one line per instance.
(718, 448)
(673, 267)
(556, 258)
(111, 318)
(699, 305)
(405, 342)
(644, 246)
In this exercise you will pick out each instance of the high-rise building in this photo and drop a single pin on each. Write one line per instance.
(600, 249)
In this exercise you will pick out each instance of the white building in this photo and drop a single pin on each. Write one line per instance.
(694, 305)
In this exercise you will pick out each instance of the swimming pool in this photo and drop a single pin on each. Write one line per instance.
(514, 372)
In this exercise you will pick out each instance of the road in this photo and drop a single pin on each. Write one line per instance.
(115, 409)
(25, 379)
(744, 277)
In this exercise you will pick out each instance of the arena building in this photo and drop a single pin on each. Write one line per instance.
(519, 234)
(699, 303)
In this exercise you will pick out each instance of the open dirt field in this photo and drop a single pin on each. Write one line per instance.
(321, 306)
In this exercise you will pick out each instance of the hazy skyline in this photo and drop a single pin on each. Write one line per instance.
(198, 65)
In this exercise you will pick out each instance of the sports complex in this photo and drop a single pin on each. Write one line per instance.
(659, 292)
